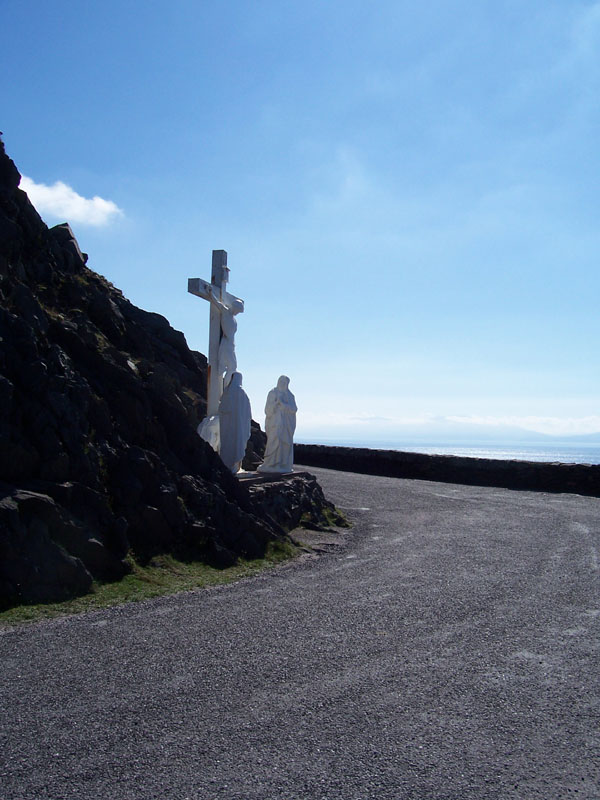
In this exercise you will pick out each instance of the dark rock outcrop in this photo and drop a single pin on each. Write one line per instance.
(99, 403)
(255, 449)
(295, 500)
(575, 478)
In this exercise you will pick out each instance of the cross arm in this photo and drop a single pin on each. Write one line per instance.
(202, 288)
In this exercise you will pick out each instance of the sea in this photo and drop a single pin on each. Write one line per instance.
(551, 451)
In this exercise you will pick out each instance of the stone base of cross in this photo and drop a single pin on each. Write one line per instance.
(223, 307)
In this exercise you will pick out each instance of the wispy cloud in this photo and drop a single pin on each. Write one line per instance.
(586, 32)
(62, 202)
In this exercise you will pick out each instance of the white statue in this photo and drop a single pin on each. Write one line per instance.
(227, 363)
(234, 423)
(209, 430)
(280, 425)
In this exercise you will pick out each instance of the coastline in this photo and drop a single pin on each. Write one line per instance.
(556, 477)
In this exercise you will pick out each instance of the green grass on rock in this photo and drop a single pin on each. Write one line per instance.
(162, 576)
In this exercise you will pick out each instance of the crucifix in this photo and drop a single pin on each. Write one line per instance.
(222, 362)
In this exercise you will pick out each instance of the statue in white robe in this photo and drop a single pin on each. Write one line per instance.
(234, 423)
(280, 424)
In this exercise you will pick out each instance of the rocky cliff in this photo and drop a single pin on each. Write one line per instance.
(99, 402)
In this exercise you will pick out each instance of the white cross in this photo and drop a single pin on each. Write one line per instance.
(221, 342)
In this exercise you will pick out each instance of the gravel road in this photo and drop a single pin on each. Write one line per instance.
(448, 648)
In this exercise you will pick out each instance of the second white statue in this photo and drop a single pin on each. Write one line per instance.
(280, 424)
(234, 423)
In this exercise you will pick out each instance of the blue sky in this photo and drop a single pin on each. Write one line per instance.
(408, 192)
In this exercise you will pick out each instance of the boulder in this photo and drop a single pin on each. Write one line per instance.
(35, 566)
(295, 500)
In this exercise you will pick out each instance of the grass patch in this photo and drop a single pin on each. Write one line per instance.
(336, 518)
(331, 517)
(162, 576)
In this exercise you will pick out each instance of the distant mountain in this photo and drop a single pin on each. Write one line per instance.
(439, 431)
(444, 431)
(581, 438)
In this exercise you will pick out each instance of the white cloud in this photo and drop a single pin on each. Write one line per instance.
(62, 202)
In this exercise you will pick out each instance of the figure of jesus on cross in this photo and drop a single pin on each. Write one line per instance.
(222, 362)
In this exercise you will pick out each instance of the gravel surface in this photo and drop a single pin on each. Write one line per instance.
(447, 648)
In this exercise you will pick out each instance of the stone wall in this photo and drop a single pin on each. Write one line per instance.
(555, 477)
